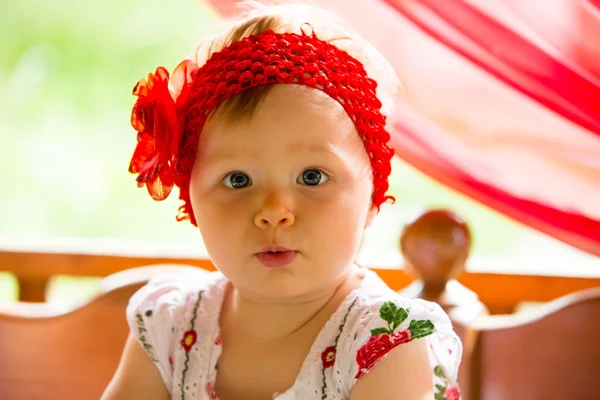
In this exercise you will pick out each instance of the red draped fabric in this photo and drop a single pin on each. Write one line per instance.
(571, 227)
(548, 78)
(494, 38)
(502, 102)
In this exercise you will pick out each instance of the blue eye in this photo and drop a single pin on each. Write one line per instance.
(312, 177)
(237, 180)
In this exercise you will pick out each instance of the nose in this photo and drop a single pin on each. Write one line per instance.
(274, 213)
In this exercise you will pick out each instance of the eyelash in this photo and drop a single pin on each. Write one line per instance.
(226, 179)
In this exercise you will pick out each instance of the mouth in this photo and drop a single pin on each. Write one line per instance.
(276, 256)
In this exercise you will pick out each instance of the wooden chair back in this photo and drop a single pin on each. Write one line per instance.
(48, 354)
(552, 353)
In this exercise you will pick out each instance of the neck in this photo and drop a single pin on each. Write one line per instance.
(272, 321)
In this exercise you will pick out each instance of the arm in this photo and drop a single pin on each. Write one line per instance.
(404, 374)
(136, 377)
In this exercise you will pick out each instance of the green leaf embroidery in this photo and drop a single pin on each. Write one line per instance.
(337, 338)
(379, 331)
(141, 329)
(439, 372)
(187, 353)
(420, 328)
(441, 391)
(393, 315)
(388, 312)
(399, 317)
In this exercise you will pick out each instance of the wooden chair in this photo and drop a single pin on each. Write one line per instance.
(552, 353)
(51, 354)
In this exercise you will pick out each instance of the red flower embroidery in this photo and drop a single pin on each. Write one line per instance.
(189, 339)
(452, 393)
(211, 390)
(377, 347)
(159, 125)
(218, 341)
(328, 357)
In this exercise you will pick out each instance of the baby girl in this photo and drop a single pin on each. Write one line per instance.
(275, 134)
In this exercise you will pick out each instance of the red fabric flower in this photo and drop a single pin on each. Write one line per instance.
(218, 341)
(189, 339)
(377, 347)
(328, 356)
(452, 393)
(159, 125)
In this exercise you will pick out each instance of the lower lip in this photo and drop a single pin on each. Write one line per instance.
(277, 259)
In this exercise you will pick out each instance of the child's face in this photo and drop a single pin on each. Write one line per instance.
(256, 183)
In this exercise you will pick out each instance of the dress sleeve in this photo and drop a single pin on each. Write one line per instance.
(153, 313)
(388, 324)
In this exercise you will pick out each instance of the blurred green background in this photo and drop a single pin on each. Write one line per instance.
(66, 73)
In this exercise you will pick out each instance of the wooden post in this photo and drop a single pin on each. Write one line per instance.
(32, 290)
(435, 248)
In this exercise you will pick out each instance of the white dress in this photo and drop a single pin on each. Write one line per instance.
(177, 321)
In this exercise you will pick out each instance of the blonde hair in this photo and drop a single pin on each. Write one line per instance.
(292, 16)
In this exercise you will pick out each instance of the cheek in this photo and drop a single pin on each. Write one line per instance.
(340, 221)
(223, 235)
(217, 219)
(221, 225)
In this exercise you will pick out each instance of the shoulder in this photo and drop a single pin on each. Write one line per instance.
(383, 325)
(387, 312)
(158, 311)
(166, 297)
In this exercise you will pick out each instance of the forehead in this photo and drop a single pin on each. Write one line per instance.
(289, 116)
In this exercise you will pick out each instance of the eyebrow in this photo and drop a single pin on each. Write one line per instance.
(296, 147)
(229, 153)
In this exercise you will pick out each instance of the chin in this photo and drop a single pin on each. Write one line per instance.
(282, 286)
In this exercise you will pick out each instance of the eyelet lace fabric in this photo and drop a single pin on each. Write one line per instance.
(176, 322)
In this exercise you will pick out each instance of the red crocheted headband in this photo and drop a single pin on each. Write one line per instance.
(170, 113)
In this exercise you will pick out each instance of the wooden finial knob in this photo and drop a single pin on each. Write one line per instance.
(435, 247)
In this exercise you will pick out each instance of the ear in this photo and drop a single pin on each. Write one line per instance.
(373, 211)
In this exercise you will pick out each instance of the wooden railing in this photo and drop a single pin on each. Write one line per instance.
(435, 249)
